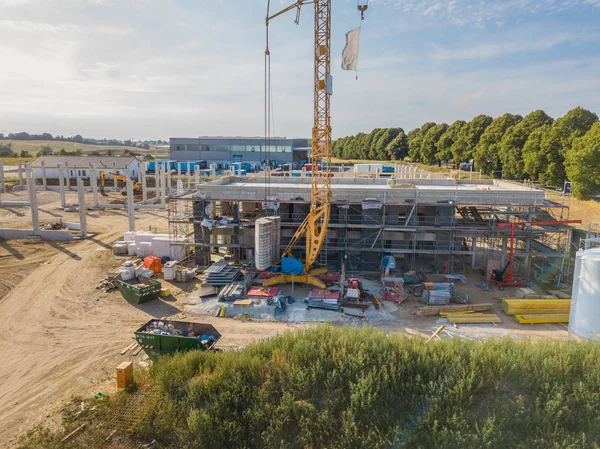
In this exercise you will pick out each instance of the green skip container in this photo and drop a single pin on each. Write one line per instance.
(185, 336)
(139, 289)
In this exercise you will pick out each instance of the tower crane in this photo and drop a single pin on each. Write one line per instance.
(314, 226)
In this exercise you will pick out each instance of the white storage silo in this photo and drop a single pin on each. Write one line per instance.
(584, 320)
(263, 243)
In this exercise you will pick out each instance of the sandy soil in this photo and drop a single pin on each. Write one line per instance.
(62, 337)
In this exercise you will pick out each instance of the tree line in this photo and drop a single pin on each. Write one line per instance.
(537, 147)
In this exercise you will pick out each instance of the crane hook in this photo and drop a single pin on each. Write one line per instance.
(362, 9)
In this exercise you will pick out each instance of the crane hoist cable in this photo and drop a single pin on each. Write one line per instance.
(314, 227)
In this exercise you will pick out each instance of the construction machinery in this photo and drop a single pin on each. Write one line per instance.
(137, 187)
(504, 277)
(314, 226)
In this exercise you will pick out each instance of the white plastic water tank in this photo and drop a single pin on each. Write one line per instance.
(263, 243)
(170, 270)
(127, 271)
(584, 320)
(131, 249)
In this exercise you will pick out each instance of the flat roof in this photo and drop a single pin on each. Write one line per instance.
(424, 191)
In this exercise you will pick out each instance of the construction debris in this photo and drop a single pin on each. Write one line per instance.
(534, 306)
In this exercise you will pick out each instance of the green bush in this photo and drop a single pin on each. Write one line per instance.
(360, 388)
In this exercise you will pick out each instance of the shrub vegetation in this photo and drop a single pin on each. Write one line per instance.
(360, 388)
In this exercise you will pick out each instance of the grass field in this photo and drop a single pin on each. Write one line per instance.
(354, 388)
(33, 146)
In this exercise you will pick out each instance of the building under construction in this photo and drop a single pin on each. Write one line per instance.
(426, 221)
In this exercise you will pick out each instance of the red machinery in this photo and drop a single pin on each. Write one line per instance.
(504, 278)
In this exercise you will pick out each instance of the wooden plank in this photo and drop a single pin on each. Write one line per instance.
(435, 310)
(137, 350)
(72, 434)
(243, 302)
(437, 331)
(124, 351)
(542, 318)
(476, 319)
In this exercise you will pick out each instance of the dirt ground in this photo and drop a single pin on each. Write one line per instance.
(63, 337)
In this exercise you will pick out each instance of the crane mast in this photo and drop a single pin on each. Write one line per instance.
(315, 224)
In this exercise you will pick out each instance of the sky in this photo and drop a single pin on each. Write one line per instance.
(154, 69)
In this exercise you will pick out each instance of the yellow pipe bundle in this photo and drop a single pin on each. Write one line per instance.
(512, 306)
(537, 318)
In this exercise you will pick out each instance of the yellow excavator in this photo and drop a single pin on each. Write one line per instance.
(137, 187)
(314, 227)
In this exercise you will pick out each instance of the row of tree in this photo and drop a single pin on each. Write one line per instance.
(80, 139)
(535, 147)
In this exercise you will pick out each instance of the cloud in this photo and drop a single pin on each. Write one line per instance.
(513, 45)
(468, 12)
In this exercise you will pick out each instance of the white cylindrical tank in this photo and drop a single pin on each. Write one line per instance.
(584, 320)
(263, 243)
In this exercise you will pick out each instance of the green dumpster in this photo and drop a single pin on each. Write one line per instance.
(169, 336)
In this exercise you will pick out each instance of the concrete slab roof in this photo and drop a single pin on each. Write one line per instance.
(423, 191)
(84, 161)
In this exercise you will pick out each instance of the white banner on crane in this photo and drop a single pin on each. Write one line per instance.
(350, 53)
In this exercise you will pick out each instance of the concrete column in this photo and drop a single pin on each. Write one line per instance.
(61, 186)
(163, 189)
(130, 206)
(35, 219)
(157, 180)
(504, 253)
(82, 216)
(189, 177)
(139, 173)
(94, 183)
(67, 177)
(2, 186)
(20, 172)
(473, 249)
(214, 171)
(115, 185)
(178, 170)
(196, 179)
(28, 173)
(143, 180)
(44, 179)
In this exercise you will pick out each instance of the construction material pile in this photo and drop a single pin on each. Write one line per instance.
(537, 311)
(438, 293)
(435, 310)
(233, 292)
(470, 316)
(393, 289)
(220, 273)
